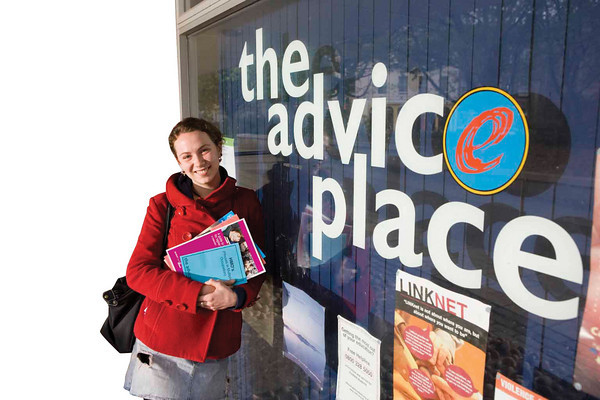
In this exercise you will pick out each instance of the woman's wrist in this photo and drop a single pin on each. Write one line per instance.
(240, 297)
(234, 299)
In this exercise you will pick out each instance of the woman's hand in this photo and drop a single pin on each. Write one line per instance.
(221, 298)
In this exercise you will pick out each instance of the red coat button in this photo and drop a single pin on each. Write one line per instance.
(181, 307)
(180, 211)
(167, 302)
(187, 236)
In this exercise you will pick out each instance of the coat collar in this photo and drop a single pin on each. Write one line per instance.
(179, 192)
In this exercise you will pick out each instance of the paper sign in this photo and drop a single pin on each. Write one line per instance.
(358, 362)
(509, 390)
(228, 156)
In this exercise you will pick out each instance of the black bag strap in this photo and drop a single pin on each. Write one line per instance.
(167, 226)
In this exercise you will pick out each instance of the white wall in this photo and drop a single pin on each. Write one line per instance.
(88, 95)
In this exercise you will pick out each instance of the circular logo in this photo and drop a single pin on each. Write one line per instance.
(486, 139)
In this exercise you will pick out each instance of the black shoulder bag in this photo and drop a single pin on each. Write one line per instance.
(124, 305)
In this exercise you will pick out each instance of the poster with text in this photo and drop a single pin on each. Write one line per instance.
(440, 340)
(587, 364)
(507, 389)
(358, 362)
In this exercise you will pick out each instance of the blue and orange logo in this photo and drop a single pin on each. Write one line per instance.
(486, 139)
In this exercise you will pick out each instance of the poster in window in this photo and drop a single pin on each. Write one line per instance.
(440, 340)
(507, 389)
(358, 362)
(587, 364)
(304, 332)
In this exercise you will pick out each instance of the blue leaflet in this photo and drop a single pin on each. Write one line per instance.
(221, 263)
(225, 217)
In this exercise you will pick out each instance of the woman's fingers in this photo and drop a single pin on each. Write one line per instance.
(223, 297)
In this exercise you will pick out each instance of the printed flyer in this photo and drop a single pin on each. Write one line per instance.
(358, 362)
(440, 340)
(507, 389)
(587, 362)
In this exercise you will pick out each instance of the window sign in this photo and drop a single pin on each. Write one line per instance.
(358, 372)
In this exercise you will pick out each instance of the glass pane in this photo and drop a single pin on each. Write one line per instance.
(453, 141)
(187, 4)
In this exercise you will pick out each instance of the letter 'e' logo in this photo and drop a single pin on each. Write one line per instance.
(486, 139)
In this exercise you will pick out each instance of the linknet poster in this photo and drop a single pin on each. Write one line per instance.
(440, 340)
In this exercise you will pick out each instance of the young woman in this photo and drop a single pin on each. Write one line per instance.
(186, 329)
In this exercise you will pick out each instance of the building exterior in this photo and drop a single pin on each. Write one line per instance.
(454, 141)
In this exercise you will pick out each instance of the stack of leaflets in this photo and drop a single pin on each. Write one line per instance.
(224, 251)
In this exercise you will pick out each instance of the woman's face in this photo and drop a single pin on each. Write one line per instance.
(198, 157)
(235, 236)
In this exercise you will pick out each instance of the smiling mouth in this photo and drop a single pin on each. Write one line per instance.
(201, 171)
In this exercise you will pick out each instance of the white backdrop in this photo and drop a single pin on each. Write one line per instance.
(88, 95)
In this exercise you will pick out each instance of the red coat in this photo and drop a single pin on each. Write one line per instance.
(168, 321)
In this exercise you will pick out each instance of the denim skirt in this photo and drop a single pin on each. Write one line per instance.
(157, 376)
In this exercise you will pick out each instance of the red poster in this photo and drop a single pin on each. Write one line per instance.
(509, 390)
(587, 365)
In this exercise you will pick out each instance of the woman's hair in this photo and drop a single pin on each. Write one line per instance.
(192, 124)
